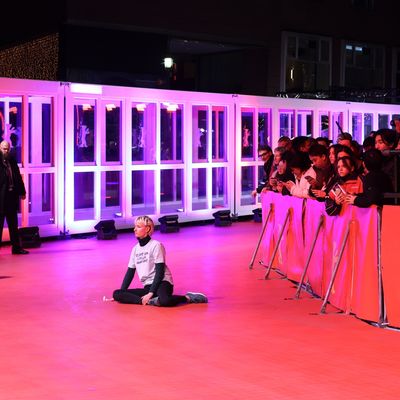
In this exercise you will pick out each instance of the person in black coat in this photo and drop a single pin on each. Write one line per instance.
(375, 182)
(11, 189)
(265, 153)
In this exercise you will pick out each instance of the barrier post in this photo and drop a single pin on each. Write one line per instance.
(382, 308)
(320, 224)
(277, 244)
(335, 269)
(271, 207)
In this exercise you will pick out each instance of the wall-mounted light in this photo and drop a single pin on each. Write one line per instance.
(172, 107)
(110, 107)
(140, 107)
(168, 62)
(86, 107)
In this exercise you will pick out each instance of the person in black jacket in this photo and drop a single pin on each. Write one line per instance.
(11, 189)
(265, 153)
(375, 182)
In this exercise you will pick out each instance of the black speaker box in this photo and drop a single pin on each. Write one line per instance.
(106, 230)
(29, 237)
(222, 218)
(169, 223)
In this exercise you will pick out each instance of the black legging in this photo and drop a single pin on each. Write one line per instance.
(164, 294)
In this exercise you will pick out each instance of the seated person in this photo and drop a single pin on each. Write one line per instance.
(375, 182)
(148, 259)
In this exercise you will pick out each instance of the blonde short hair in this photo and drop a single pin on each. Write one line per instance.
(147, 222)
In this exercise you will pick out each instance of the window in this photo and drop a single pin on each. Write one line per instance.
(171, 133)
(363, 66)
(307, 62)
(84, 133)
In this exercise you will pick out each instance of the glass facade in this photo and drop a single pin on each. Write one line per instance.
(116, 153)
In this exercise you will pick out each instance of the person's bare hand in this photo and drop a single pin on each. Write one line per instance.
(318, 193)
(340, 198)
(289, 185)
(146, 298)
(349, 199)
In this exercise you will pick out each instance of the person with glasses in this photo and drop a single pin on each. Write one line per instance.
(265, 154)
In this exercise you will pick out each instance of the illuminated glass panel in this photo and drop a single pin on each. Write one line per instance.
(286, 123)
(171, 133)
(247, 137)
(304, 123)
(111, 194)
(264, 131)
(219, 195)
(337, 125)
(324, 124)
(368, 123)
(199, 189)
(357, 125)
(14, 129)
(112, 137)
(171, 191)
(383, 121)
(143, 195)
(219, 143)
(41, 199)
(40, 131)
(2, 121)
(84, 133)
(248, 185)
(143, 133)
(84, 196)
(199, 134)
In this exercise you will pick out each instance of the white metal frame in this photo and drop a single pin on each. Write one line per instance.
(63, 167)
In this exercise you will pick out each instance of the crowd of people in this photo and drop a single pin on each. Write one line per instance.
(339, 173)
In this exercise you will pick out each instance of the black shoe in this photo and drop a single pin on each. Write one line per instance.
(20, 251)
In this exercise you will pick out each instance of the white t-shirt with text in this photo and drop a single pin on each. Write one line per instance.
(144, 259)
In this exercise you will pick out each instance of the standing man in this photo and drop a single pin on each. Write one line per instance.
(11, 189)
